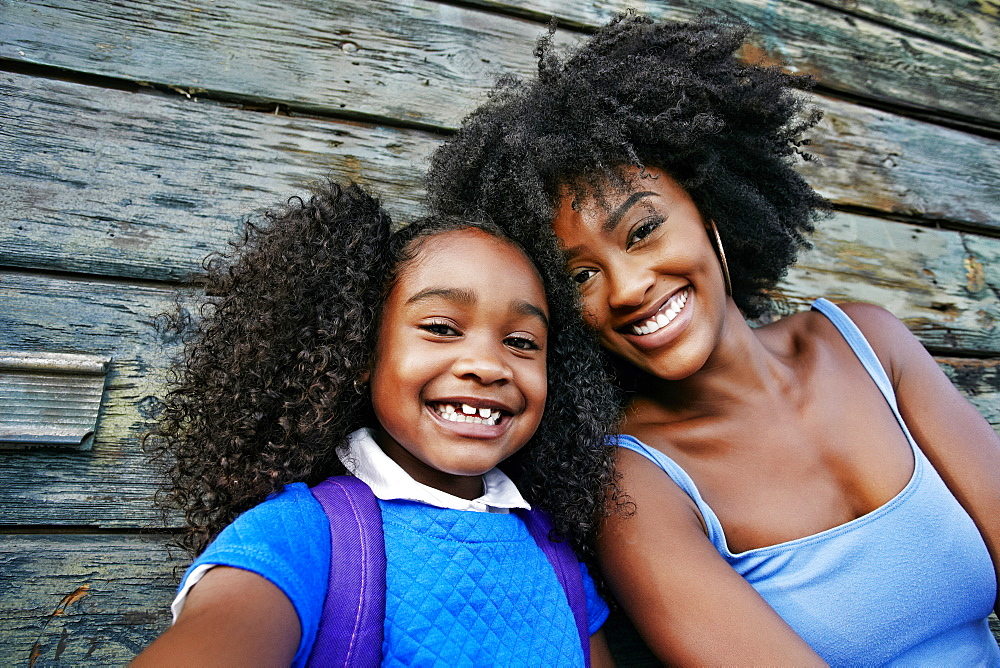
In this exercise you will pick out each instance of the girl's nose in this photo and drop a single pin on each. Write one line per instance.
(627, 286)
(482, 364)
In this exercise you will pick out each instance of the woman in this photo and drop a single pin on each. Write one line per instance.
(783, 513)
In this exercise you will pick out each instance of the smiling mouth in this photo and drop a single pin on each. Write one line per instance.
(462, 412)
(670, 309)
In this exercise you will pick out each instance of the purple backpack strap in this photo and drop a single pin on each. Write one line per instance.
(351, 628)
(567, 568)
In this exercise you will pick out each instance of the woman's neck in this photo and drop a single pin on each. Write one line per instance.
(745, 362)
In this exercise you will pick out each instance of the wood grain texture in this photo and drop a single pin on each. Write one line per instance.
(422, 62)
(416, 61)
(944, 285)
(110, 182)
(969, 24)
(887, 163)
(974, 24)
(76, 600)
(870, 59)
(112, 485)
(979, 381)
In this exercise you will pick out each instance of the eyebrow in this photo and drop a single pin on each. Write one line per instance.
(612, 222)
(451, 294)
(462, 296)
(527, 308)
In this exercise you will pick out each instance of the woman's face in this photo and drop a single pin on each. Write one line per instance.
(651, 282)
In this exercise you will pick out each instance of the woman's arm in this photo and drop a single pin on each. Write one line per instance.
(231, 617)
(687, 603)
(958, 441)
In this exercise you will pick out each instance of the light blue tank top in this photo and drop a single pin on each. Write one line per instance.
(909, 584)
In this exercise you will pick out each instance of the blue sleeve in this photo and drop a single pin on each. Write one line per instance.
(597, 609)
(286, 540)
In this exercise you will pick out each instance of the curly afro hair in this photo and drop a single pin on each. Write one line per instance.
(637, 93)
(265, 393)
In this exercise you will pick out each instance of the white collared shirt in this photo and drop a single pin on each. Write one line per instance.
(387, 479)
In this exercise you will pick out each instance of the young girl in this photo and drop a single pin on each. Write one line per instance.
(417, 362)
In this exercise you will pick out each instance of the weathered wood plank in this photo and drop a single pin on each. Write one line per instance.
(415, 61)
(943, 285)
(967, 23)
(964, 23)
(862, 57)
(109, 182)
(111, 484)
(422, 62)
(885, 162)
(76, 600)
(979, 381)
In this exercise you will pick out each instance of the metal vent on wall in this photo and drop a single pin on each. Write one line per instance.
(50, 399)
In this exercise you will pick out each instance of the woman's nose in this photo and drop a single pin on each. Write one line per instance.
(627, 286)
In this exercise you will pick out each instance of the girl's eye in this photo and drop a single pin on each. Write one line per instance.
(581, 276)
(440, 328)
(643, 230)
(521, 343)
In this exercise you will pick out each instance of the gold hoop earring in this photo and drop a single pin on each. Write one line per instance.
(722, 259)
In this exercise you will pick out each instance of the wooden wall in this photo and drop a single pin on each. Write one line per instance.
(134, 135)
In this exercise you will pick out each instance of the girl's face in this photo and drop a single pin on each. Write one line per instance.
(651, 283)
(459, 379)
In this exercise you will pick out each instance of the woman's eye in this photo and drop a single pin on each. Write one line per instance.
(581, 276)
(521, 343)
(644, 229)
(440, 329)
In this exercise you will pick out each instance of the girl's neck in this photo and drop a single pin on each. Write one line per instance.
(466, 487)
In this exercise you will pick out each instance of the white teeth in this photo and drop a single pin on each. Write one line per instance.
(664, 317)
(468, 414)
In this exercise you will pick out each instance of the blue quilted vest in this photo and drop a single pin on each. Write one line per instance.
(351, 627)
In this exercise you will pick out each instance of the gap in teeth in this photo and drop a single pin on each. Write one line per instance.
(468, 414)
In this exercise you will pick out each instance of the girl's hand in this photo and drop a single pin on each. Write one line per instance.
(687, 603)
(959, 442)
(231, 617)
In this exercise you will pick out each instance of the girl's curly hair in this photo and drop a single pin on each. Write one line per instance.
(637, 93)
(265, 393)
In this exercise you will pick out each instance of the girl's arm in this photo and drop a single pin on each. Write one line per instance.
(958, 441)
(231, 617)
(687, 603)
